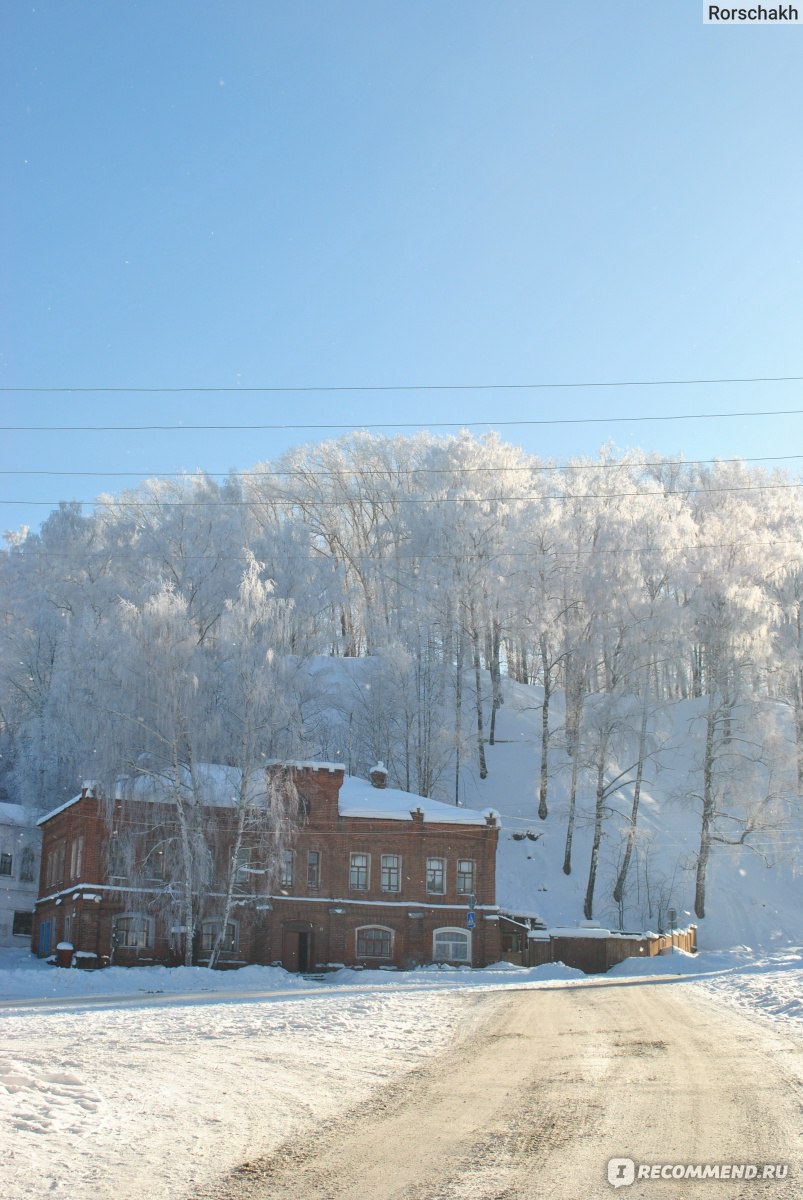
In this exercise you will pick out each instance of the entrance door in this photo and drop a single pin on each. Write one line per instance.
(304, 939)
(45, 933)
(296, 950)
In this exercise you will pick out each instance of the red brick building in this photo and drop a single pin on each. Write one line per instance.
(374, 877)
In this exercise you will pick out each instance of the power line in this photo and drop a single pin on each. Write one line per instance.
(401, 387)
(357, 426)
(406, 472)
(381, 501)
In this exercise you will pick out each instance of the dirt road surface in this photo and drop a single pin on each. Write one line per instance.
(545, 1087)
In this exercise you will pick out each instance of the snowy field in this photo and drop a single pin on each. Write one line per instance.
(130, 1084)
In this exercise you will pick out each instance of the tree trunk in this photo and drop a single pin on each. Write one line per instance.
(799, 730)
(599, 809)
(567, 854)
(621, 879)
(496, 678)
(228, 901)
(458, 715)
(543, 811)
(475, 638)
(708, 810)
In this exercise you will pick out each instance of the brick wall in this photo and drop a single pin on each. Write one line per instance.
(310, 919)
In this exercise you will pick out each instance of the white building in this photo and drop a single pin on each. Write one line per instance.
(20, 850)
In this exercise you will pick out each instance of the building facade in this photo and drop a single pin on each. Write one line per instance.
(373, 877)
(20, 842)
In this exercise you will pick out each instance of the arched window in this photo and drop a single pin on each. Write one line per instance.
(374, 941)
(451, 945)
(133, 931)
(209, 935)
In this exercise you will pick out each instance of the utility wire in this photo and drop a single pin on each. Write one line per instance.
(380, 501)
(356, 426)
(401, 387)
(406, 472)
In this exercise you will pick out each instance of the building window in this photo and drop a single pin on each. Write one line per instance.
(451, 945)
(286, 869)
(436, 876)
(117, 859)
(465, 877)
(23, 924)
(153, 859)
(133, 932)
(391, 873)
(6, 862)
(27, 865)
(209, 935)
(314, 870)
(374, 941)
(55, 865)
(360, 872)
(76, 857)
(242, 865)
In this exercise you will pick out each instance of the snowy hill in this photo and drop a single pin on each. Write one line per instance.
(753, 898)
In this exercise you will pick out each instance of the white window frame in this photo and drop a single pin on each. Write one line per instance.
(466, 891)
(463, 934)
(359, 869)
(436, 891)
(396, 869)
(384, 929)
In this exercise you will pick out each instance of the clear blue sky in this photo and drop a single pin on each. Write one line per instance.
(331, 192)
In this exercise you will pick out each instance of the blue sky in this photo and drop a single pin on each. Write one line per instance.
(388, 192)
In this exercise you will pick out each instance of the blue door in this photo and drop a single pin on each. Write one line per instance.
(45, 934)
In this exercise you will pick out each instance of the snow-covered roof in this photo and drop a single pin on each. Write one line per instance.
(15, 814)
(212, 783)
(54, 812)
(306, 764)
(358, 798)
(220, 786)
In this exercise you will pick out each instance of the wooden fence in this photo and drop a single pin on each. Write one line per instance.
(588, 948)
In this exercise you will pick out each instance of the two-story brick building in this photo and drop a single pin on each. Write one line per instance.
(373, 876)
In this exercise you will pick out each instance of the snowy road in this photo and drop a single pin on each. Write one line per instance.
(123, 1085)
(546, 1088)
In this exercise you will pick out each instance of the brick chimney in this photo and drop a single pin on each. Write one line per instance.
(379, 776)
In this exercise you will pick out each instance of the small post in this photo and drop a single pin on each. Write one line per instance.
(673, 921)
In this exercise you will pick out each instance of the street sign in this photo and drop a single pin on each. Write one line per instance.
(471, 919)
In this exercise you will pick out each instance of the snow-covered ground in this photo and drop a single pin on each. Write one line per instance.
(113, 1080)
